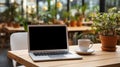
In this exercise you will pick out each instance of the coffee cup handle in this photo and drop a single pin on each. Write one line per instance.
(91, 44)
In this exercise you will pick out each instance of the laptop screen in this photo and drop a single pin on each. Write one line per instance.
(47, 37)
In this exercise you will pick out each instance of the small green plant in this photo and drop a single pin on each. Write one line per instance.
(65, 14)
(23, 22)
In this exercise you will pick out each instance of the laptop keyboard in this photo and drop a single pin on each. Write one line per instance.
(50, 53)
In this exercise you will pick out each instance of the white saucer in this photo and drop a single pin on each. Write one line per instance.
(90, 51)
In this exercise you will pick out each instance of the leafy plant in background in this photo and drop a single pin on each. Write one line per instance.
(49, 14)
(93, 37)
(106, 23)
(10, 13)
(23, 22)
(83, 9)
(65, 14)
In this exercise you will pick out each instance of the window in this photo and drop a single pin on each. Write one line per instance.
(2, 5)
(45, 5)
(93, 5)
(112, 3)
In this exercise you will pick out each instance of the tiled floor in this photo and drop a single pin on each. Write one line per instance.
(4, 60)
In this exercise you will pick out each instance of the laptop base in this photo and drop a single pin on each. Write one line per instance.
(68, 56)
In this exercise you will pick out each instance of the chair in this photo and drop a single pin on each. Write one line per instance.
(18, 41)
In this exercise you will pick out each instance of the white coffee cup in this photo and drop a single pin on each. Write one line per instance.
(84, 44)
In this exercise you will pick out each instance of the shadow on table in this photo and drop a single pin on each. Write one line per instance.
(111, 65)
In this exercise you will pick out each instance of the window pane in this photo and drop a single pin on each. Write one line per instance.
(112, 3)
(2, 5)
(2, 1)
(2, 8)
(61, 5)
(76, 2)
(93, 5)
(75, 6)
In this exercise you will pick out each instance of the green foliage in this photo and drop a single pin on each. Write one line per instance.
(23, 22)
(72, 17)
(83, 9)
(52, 13)
(65, 14)
(25, 25)
(106, 23)
(49, 14)
(10, 13)
(93, 37)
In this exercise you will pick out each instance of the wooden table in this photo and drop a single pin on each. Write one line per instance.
(70, 29)
(12, 29)
(98, 58)
(78, 29)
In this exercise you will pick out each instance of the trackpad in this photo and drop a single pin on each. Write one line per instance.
(57, 56)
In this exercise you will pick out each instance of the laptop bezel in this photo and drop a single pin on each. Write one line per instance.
(32, 51)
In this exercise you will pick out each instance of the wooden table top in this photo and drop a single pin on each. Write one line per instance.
(70, 29)
(82, 28)
(12, 29)
(98, 58)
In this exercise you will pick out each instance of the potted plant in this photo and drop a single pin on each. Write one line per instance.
(9, 14)
(23, 21)
(17, 22)
(73, 21)
(65, 16)
(107, 25)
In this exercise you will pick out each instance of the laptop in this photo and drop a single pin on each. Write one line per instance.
(49, 42)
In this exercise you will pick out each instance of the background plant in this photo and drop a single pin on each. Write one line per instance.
(105, 23)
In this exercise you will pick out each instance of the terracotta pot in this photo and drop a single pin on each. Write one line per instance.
(65, 20)
(108, 43)
(54, 21)
(79, 23)
(73, 23)
(9, 24)
(16, 25)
